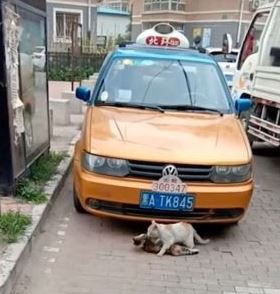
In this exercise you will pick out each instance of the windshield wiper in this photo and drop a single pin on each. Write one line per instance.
(131, 105)
(187, 81)
(193, 108)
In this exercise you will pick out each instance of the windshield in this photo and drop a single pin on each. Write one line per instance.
(164, 83)
(39, 49)
(252, 39)
(221, 57)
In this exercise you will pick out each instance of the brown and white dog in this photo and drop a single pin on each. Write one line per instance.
(168, 235)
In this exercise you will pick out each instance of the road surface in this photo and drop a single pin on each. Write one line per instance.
(83, 254)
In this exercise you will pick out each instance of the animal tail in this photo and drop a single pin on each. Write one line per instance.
(187, 251)
(198, 239)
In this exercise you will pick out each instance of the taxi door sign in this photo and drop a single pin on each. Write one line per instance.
(163, 35)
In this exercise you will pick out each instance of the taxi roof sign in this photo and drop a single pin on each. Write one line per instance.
(163, 35)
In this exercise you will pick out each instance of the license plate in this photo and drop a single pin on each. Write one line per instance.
(166, 201)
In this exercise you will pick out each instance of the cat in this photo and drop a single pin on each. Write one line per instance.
(148, 246)
(179, 233)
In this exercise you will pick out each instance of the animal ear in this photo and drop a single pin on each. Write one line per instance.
(154, 224)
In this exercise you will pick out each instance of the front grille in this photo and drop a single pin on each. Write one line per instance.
(135, 210)
(151, 170)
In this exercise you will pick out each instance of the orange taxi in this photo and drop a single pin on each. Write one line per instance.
(161, 138)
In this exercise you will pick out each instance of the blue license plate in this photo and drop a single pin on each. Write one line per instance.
(166, 201)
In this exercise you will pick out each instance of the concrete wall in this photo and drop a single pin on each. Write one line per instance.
(220, 16)
(200, 7)
(218, 29)
(112, 25)
(136, 30)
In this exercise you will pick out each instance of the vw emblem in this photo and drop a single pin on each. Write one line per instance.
(170, 170)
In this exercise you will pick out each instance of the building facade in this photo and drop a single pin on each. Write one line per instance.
(209, 19)
(112, 22)
(64, 16)
(121, 5)
(89, 19)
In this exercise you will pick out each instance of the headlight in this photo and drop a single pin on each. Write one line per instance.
(231, 174)
(103, 165)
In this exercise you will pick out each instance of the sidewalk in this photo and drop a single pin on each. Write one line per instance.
(13, 256)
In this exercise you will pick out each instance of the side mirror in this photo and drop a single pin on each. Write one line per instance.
(83, 93)
(197, 40)
(202, 50)
(227, 43)
(242, 105)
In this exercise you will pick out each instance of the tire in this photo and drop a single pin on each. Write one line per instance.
(226, 226)
(235, 223)
(77, 204)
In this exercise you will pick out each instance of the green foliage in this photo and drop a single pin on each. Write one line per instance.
(110, 43)
(31, 189)
(121, 39)
(42, 170)
(60, 68)
(65, 73)
(12, 225)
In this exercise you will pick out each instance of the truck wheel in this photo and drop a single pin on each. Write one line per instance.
(77, 204)
(251, 140)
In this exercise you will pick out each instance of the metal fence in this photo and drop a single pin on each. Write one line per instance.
(60, 65)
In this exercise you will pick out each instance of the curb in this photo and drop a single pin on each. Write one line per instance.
(16, 254)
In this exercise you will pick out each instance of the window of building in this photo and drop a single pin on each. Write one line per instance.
(64, 21)
(178, 5)
(157, 5)
(121, 5)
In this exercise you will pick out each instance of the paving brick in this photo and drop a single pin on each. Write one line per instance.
(97, 255)
(272, 291)
(250, 290)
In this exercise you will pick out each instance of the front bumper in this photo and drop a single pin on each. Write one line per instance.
(119, 198)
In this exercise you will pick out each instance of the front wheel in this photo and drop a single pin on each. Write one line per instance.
(251, 139)
(77, 204)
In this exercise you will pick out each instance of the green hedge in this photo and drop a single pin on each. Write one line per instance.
(65, 74)
(60, 65)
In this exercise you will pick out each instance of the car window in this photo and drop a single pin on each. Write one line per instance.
(252, 39)
(221, 57)
(164, 83)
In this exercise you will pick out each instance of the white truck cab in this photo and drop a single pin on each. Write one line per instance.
(258, 75)
(248, 55)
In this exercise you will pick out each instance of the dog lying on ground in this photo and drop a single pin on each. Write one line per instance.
(172, 238)
(148, 246)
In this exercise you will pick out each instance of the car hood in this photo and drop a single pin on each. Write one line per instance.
(171, 137)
